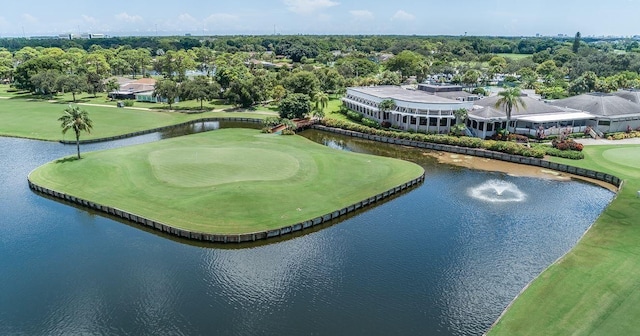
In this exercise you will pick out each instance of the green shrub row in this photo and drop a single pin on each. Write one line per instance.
(469, 142)
(567, 154)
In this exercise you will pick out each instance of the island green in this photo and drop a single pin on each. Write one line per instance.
(228, 181)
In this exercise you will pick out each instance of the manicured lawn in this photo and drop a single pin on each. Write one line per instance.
(226, 181)
(39, 119)
(514, 56)
(594, 289)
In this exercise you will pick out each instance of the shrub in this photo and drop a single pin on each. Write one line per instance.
(370, 123)
(567, 154)
(272, 121)
(288, 132)
(355, 116)
(266, 130)
(385, 124)
(568, 144)
(128, 102)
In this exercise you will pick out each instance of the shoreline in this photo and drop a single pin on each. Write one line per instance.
(513, 169)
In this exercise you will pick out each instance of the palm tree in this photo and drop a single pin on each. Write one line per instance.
(76, 119)
(386, 105)
(321, 99)
(510, 99)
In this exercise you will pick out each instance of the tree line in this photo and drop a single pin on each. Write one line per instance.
(248, 70)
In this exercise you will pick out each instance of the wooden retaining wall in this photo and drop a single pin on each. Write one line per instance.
(163, 128)
(227, 238)
(617, 182)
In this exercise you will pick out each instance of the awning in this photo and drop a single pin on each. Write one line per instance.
(552, 117)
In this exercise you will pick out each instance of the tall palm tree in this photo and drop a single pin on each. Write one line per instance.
(78, 120)
(510, 99)
(321, 99)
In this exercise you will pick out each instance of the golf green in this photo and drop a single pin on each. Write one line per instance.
(228, 181)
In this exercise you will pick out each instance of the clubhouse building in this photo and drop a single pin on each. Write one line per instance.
(431, 108)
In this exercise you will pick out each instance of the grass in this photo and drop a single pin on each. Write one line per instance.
(227, 181)
(594, 289)
(515, 57)
(38, 119)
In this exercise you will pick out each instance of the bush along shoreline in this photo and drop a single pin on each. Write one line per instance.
(470, 142)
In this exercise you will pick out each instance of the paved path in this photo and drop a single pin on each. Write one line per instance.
(105, 105)
(596, 142)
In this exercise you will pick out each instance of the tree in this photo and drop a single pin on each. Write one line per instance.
(168, 90)
(321, 100)
(136, 60)
(46, 82)
(302, 82)
(278, 92)
(576, 42)
(510, 99)
(72, 83)
(407, 62)
(78, 120)
(471, 77)
(295, 105)
(200, 88)
(112, 85)
(387, 105)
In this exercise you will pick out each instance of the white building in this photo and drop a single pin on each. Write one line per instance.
(431, 109)
(415, 110)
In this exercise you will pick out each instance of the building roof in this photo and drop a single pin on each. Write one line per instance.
(398, 93)
(631, 95)
(532, 106)
(600, 104)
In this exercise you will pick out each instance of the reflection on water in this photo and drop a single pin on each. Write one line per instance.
(432, 261)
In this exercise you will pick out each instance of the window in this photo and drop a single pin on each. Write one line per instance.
(433, 121)
(423, 121)
(604, 122)
(413, 120)
(444, 122)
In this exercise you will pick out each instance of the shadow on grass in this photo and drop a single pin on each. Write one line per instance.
(67, 159)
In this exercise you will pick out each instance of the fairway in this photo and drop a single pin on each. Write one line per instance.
(593, 290)
(228, 181)
(39, 119)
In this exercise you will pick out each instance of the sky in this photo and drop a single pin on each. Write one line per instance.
(264, 17)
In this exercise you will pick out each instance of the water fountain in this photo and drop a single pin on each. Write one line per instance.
(497, 191)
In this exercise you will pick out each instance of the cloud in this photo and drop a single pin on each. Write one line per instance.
(125, 17)
(362, 14)
(401, 15)
(221, 17)
(308, 6)
(185, 17)
(29, 18)
(89, 19)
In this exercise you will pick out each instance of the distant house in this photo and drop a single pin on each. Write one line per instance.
(129, 89)
(140, 90)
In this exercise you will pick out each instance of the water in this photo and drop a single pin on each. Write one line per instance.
(432, 261)
(497, 191)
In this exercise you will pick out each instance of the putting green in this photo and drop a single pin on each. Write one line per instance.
(206, 167)
(623, 156)
(227, 181)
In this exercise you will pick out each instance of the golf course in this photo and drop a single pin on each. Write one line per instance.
(229, 181)
(593, 290)
(39, 119)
